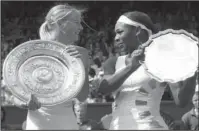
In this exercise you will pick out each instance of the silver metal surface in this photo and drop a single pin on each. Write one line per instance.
(45, 69)
(172, 56)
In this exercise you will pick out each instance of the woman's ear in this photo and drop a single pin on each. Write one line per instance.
(63, 27)
(142, 35)
(138, 30)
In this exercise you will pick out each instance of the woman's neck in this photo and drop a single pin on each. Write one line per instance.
(65, 40)
(128, 55)
(130, 51)
(196, 111)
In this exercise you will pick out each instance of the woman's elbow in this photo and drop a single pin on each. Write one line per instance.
(181, 103)
(103, 87)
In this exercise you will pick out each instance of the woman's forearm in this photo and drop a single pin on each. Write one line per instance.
(19, 103)
(112, 83)
(183, 91)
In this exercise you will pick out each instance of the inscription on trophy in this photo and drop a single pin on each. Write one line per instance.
(76, 77)
(38, 46)
(45, 69)
(45, 75)
(42, 75)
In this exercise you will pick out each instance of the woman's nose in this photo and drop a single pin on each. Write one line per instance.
(117, 39)
(80, 27)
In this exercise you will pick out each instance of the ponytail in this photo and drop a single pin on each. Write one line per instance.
(48, 31)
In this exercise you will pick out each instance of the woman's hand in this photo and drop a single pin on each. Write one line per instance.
(134, 60)
(33, 103)
(137, 57)
(73, 51)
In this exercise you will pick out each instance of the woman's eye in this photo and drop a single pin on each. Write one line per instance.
(63, 25)
(76, 22)
(119, 32)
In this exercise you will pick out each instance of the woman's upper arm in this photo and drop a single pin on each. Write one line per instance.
(82, 96)
(185, 121)
(109, 66)
(84, 57)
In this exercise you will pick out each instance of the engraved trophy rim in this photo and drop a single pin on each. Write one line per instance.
(158, 73)
(66, 60)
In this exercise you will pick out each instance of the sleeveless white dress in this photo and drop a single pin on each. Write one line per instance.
(59, 117)
(137, 102)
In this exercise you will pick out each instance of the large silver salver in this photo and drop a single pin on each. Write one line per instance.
(45, 69)
(172, 56)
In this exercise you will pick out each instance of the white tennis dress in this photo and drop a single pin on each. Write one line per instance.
(59, 117)
(137, 102)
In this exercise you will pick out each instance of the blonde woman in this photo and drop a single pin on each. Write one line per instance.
(62, 24)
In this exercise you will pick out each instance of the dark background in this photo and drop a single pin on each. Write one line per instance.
(20, 21)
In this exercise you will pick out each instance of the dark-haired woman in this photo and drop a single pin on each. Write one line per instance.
(137, 95)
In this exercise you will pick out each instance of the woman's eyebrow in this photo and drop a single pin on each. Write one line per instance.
(117, 30)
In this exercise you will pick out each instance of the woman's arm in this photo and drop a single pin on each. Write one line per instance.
(83, 95)
(185, 122)
(111, 83)
(11, 99)
(18, 103)
(183, 91)
(32, 104)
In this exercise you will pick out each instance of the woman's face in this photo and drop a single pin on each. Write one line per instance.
(125, 37)
(71, 28)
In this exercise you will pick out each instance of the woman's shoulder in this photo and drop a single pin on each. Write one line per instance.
(84, 55)
(82, 49)
(111, 61)
(109, 65)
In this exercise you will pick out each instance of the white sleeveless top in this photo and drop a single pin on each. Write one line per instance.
(59, 117)
(137, 102)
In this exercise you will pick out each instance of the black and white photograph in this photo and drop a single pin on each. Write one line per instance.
(99, 65)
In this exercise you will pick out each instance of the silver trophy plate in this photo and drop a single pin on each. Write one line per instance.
(45, 69)
(172, 56)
